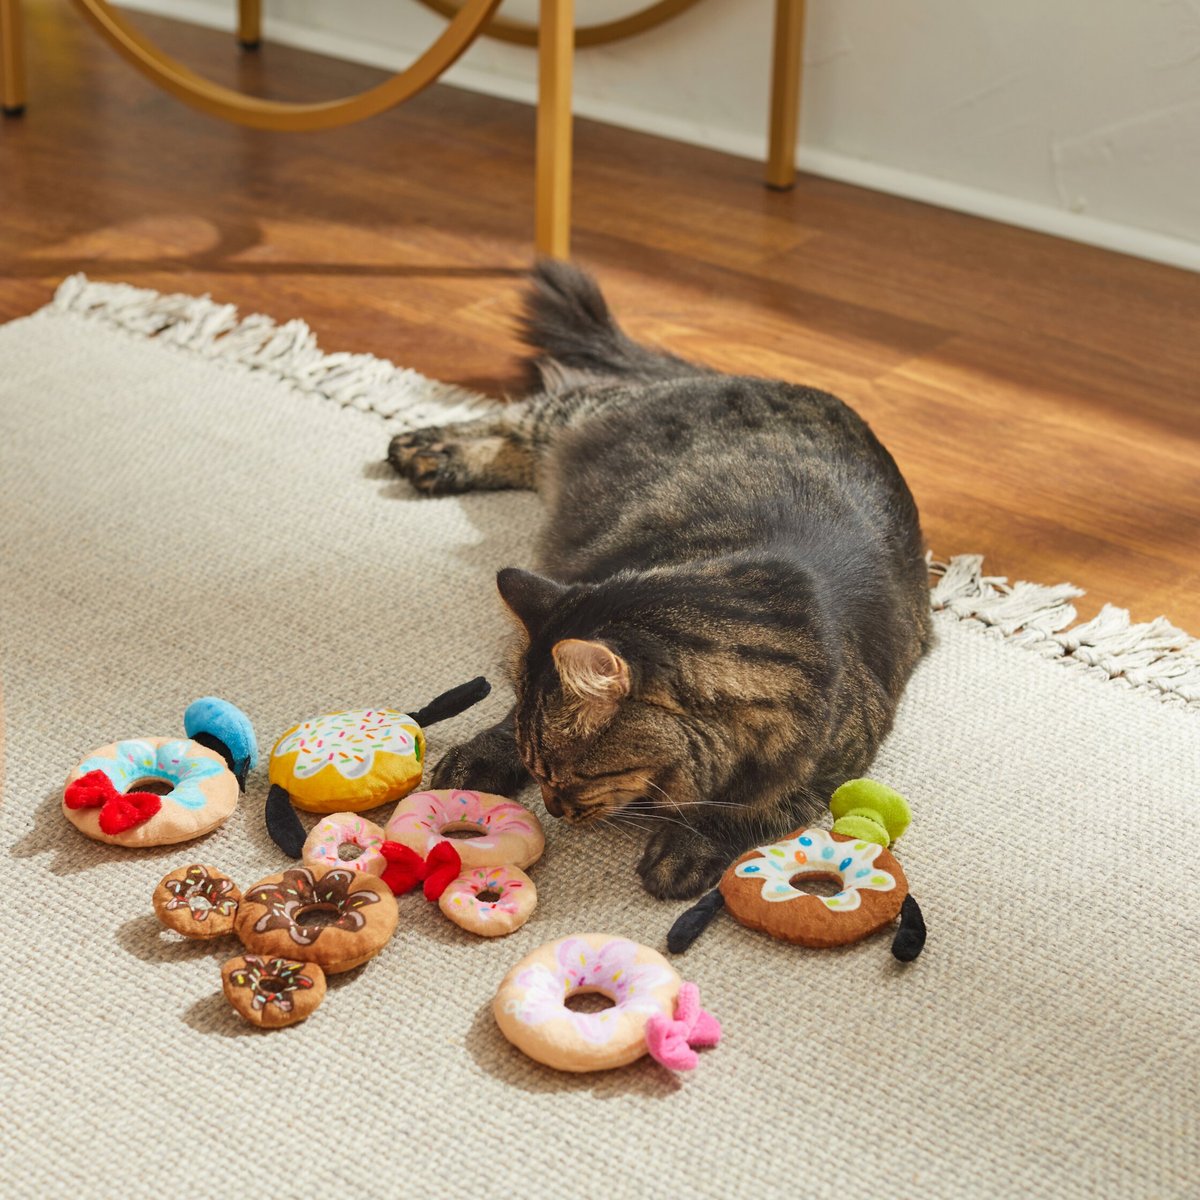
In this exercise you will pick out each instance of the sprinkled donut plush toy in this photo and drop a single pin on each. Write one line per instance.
(346, 762)
(296, 926)
(345, 840)
(477, 880)
(653, 1011)
(338, 919)
(764, 888)
(154, 791)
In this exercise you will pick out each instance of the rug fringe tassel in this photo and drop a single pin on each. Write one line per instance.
(288, 351)
(1154, 657)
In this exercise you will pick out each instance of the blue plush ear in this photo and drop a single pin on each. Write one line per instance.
(213, 720)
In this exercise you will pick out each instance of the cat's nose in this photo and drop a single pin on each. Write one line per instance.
(551, 801)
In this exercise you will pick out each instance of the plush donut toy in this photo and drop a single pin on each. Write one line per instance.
(197, 901)
(476, 879)
(652, 1011)
(489, 901)
(154, 791)
(338, 919)
(272, 992)
(345, 840)
(502, 832)
(765, 888)
(346, 762)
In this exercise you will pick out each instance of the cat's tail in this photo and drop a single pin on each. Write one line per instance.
(566, 320)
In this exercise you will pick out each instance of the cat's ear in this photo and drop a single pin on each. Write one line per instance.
(531, 597)
(592, 672)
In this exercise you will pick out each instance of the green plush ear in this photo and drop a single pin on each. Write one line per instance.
(869, 811)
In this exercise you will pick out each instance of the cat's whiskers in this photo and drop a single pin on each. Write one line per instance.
(658, 816)
(609, 823)
(670, 800)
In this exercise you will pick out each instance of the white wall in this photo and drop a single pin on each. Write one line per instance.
(1080, 117)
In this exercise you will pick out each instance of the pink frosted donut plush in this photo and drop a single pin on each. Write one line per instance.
(345, 840)
(502, 832)
(490, 901)
(532, 1013)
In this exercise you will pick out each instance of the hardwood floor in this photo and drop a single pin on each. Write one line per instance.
(1042, 398)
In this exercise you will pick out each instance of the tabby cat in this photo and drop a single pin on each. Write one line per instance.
(731, 590)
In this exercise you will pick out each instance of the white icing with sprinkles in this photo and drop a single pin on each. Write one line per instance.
(815, 852)
(347, 741)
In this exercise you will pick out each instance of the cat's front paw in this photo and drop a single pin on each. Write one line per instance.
(680, 863)
(487, 763)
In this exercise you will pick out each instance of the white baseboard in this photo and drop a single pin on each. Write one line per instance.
(1010, 210)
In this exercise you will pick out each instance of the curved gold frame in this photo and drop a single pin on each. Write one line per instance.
(521, 34)
(555, 36)
(171, 75)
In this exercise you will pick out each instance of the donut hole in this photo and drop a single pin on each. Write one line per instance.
(272, 984)
(461, 830)
(318, 915)
(154, 784)
(589, 1000)
(349, 851)
(489, 895)
(817, 884)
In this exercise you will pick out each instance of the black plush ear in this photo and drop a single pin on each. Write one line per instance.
(531, 597)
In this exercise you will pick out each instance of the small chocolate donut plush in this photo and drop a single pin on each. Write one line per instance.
(197, 901)
(765, 888)
(272, 992)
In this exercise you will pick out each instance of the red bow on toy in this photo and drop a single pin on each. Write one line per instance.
(406, 868)
(118, 812)
(670, 1041)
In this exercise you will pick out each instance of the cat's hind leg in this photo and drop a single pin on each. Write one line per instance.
(484, 455)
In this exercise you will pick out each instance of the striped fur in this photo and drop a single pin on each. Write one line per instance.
(747, 550)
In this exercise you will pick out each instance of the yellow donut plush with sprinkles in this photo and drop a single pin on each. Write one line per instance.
(345, 762)
(349, 761)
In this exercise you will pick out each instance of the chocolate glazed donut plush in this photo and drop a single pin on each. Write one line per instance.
(765, 888)
(346, 762)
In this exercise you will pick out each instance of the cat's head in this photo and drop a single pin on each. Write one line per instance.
(628, 689)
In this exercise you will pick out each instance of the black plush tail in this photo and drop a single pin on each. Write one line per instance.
(691, 924)
(282, 823)
(450, 704)
(567, 320)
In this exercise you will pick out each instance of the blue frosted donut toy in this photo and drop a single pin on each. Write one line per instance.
(155, 791)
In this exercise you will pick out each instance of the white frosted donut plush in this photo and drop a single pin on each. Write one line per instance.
(532, 1013)
(515, 898)
(503, 831)
(345, 840)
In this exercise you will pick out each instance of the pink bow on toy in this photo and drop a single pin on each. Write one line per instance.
(670, 1041)
(406, 868)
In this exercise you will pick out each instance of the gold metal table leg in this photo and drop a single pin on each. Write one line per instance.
(556, 49)
(787, 60)
(12, 59)
(249, 24)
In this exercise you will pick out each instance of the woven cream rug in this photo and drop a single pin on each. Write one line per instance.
(190, 504)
